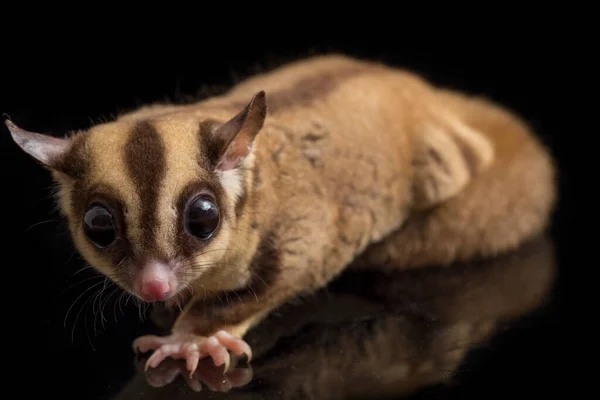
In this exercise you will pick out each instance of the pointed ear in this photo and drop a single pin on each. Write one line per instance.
(448, 155)
(237, 135)
(43, 148)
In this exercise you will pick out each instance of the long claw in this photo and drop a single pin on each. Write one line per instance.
(147, 343)
(160, 354)
(192, 357)
(227, 363)
(238, 346)
(217, 351)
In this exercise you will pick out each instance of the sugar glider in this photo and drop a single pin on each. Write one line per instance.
(233, 205)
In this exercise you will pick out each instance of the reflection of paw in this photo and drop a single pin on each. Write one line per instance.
(206, 373)
(192, 348)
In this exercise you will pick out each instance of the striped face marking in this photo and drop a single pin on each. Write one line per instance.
(151, 203)
(153, 198)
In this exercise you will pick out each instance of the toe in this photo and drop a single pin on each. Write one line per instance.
(192, 362)
(191, 353)
(161, 353)
(238, 346)
(217, 351)
(146, 343)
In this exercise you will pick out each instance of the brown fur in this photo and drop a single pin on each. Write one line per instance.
(507, 203)
(350, 152)
(390, 334)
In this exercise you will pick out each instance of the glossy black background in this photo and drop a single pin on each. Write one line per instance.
(54, 84)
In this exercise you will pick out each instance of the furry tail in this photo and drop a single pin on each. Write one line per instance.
(504, 206)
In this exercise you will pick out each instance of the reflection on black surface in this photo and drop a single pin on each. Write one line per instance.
(372, 335)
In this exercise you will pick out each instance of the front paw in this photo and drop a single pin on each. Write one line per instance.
(192, 348)
(207, 373)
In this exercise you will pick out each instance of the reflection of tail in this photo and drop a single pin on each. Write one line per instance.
(502, 287)
(506, 204)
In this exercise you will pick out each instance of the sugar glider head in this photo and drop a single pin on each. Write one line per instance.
(151, 202)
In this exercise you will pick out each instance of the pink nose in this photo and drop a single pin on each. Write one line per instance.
(155, 290)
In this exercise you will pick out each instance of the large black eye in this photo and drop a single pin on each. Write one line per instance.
(202, 218)
(99, 226)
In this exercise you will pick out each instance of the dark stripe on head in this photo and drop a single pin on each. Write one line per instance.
(145, 159)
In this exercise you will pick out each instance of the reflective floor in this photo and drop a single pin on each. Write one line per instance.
(470, 329)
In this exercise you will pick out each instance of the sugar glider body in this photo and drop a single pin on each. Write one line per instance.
(272, 189)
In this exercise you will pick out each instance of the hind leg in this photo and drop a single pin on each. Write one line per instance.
(483, 185)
